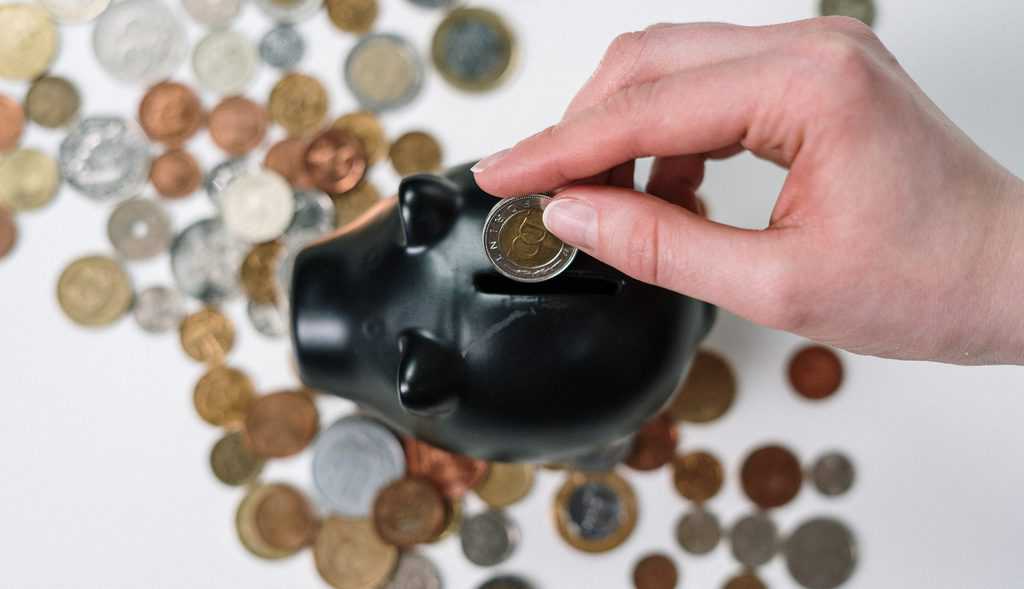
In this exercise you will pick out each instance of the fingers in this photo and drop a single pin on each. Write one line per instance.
(676, 179)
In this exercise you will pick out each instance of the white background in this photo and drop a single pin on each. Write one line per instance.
(103, 471)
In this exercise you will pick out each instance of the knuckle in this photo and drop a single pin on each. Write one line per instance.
(639, 250)
(839, 59)
(848, 25)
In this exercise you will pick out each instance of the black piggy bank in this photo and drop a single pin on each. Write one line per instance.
(402, 312)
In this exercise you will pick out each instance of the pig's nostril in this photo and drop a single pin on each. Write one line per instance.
(566, 284)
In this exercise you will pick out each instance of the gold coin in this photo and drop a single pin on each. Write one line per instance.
(415, 152)
(473, 49)
(453, 519)
(350, 205)
(745, 580)
(94, 291)
(52, 102)
(708, 391)
(298, 103)
(353, 16)
(207, 336)
(274, 521)
(526, 242)
(698, 476)
(350, 555)
(232, 462)
(28, 179)
(595, 512)
(259, 273)
(28, 41)
(505, 483)
(366, 127)
(223, 395)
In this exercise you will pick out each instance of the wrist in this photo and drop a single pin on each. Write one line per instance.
(1006, 307)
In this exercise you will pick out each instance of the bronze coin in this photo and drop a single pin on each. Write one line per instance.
(506, 483)
(170, 113)
(815, 372)
(288, 158)
(281, 424)
(8, 232)
(298, 103)
(350, 555)
(745, 581)
(52, 102)
(771, 476)
(335, 161)
(654, 445)
(232, 462)
(454, 474)
(285, 519)
(655, 571)
(259, 273)
(409, 511)
(12, 123)
(207, 336)
(708, 391)
(222, 396)
(368, 130)
(175, 174)
(526, 242)
(352, 16)
(415, 152)
(237, 125)
(698, 476)
(350, 206)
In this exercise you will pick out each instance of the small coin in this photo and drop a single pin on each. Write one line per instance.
(269, 320)
(698, 531)
(745, 581)
(28, 41)
(314, 212)
(225, 62)
(352, 204)
(12, 123)
(601, 459)
(350, 555)
(655, 571)
(454, 474)
(288, 158)
(289, 11)
(414, 571)
(105, 158)
(275, 521)
(821, 553)
(258, 206)
(409, 511)
(73, 12)
(353, 16)
(158, 309)
(473, 49)
(754, 540)
(205, 260)
(258, 272)
(94, 291)
(298, 103)
(282, 47)
(708, 391)
(139, 229)
(223, 395)
(232, 462)
(654, 445)
(862, 10)
(238, 125)
(335, 161)
(175, 174)
(281, 424)
(207, 336)
(52, 102)
(223, 174)
(139, 41)
(815, 372)
(771, 476)
(506, 582)
(352, 460)
(213, 13)
(698, 476)
(832, 474)
(8, 232)
(595, 512)
(415, 152)
(170, 113)
(29, 180)
(366, 127)
(518, 244)
(506, 483)
(384, 72)
(488, 538)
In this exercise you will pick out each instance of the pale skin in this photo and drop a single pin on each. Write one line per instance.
(894, 234)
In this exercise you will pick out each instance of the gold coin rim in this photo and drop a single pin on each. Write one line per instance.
(628, 519)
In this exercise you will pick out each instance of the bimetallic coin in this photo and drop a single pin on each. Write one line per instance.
(28, 41)
(518, 244)
(352, 460)
(207, 336)
(698, 531)
(862, 10)
(771, 476)
(158, 309)
(595, 512)
(754, 540)
(815, 372)
(832, 474)
(12, 123)
(29, 180)
(655, 571)
(8, 232)
(258, 272)
(268, 319)
(238, 125)
(213, 13)
(454, 474)
(72, 12)
(298, 103)
(350, 555)
(409, 511)
(384, 72)
(52, 102)
(258, 206)
(414, 571)
(654, 445)
(170, 113)
(94, 291)
(415, 152)
(821, 554)
(314, 212)
(281, 424)
(290, 11)
(139, 41)
(352, 204)
(473, 49)
(223, 174)
(175, 174)
(335, 161)
(698, 476)
(282, 47)
(708, 391)
(366, 127)
(353, 16)
(288, 158)
(488, 538)
(205, 260)
(222, 396)
(506, 582)
(139, 228)
(275, 521)
(745, 581)
(232, 462)
(105, 158)
(505, 483)
(225, 62)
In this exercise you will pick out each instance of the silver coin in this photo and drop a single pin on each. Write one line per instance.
(314, 211)
(832, 474)
(862, 10)
(595, 510)
(268, 319)
(604, 458)
(698, 531)
(139, 228)
(139, 41)
(206, 260)
(435, 3)
(158, 309)
(290, 11)
(225, 62)
(488, 538)
(414, 571)
(105, 158)
(258, 206)
(754, 540)
(506, 582)
(213, 13)
(821, 553)
(352, 460)
(72, 12)
(529, 253)
(384, 72)
(223, 174)
(282, 47)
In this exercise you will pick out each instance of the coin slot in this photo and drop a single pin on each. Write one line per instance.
(566, 284)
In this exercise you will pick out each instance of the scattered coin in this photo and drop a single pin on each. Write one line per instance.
(223, 395)
(258, 206)
(698, 476)
(8, 232)
(73, 12)
(213, 13)
(862, 10)
(832, 474)
(335, 161)
(139, 41)
(12, 123)
(175, 174)
(52, 102)
(655, 571)
(518, 244)
(28, 41)
(601, 459)
(225, 62)
(205, 260)
(454, 474)
(453, 518)
(353, 16)
(488, 538)
(281, 424)
(350, 555)
(506, 582)
(708, 391)
(269, 320)
(384, 72)
(298, 103)
(275, 521)
(105, 158)
(232, 462)
(158, 309)
(415, 152)
(771, 476)
(94, 291)
(238, 125)
(282, 47)
(314, 212)
(29, 180)
(207, 336)
(414, 571)
(366, 127)
(698, 531)
(409, 511)
(815, 372)
(258, 272)
(170, 113)
(352, 460)
(595, 512)
(505, 483)
(744, 581)
(754, 540)
(288, 158)
(654, 445)
(224, 173)
(473, 49)
(139, 229)
(821, 553)
(350, 205)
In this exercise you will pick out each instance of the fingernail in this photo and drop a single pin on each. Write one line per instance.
(488, 161)
(574, 221)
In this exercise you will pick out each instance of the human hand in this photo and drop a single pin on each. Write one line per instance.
(894, 234)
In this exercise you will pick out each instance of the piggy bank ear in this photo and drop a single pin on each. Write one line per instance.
(429, 206)
(431, 374)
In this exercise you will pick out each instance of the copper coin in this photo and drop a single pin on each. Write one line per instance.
(12, 123)
(175, 174)
(170, 113)
(285, 519)
(409, 511)
(259, 272)
(655, 571)
(454, 474)
(288, 158)
(815, 372)
(237, 125)
(771, 476)
(745, 581)
(223, 395)
(281, 424)
(367, 128)
(698, 476)
(708, 391)
(654, 445)
(8, 232)
(335, 161)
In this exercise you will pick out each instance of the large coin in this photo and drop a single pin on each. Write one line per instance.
(282, 47)
(352, 460)
(754, 540)
(655, 571)
(815, 372)
(275, 521)
(506, 483)
(105, 158)
(281, 424)
(473, 49)
(72, 12)
(698, 476)
(222, 396)
(139, 228)
(258, 206)
(832, 474)
(862, 10)
(771, 476)
(518, 244)
(206, 260)
(453, 473)
(821, 554)
(28, 41)
(29, 180)
(708, 391)
(207, 336)
(595, 512)
(384, 72)
(94, 291)
(213, 13)
(415, 152)
(350, 555)
(488, 538)
(698, 531)
(170, 113)
(158, 309)
(654, 445)
(415, 571)
(52, 102)
(139, 41)
(409, 511)
(225, 62)
(232, 462)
